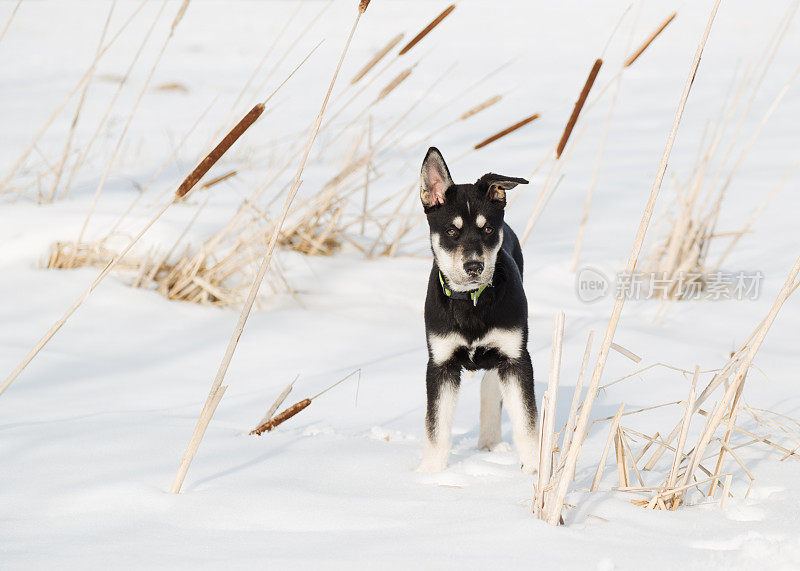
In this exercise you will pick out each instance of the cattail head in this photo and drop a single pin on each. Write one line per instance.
(427, 30)
(216, 153)
(480, 107)
(506, 131)
(362, 6)
(640, 50)
(377, 58)
(576, 111)
(285, 415)
(392, 85)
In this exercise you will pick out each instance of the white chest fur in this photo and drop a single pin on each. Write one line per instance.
(506, 341)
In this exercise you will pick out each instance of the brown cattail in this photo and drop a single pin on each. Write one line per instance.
(436, 21)
(578, 106)
(285, 415)
(377, 58)
(216, 153)
(506, 131)
(392, 85)
(362, 6)
(649, 40)
(480, 107)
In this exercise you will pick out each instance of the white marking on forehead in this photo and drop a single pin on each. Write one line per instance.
(468, 209)
(458, 222)
(480, 220)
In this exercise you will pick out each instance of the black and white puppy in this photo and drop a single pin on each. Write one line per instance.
(476, 313)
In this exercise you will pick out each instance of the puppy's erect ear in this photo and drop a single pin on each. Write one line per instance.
(434, 179)
(496, 185)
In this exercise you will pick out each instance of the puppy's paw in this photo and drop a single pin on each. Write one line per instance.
(429, 465)
(487, 443)
(494, 446)
(530, 468)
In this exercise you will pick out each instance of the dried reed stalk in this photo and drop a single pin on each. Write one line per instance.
(184, 188)
(265, 57)
(220, 178)
(726, 491)
(547, 422)
(506, 131)
(199, 431)
(756, 213)
(377, 58)
(548, 191)
(623, 472)
(206, 414)
(297, 38)
(76, 116)
(612, 432)
(576, 111)
(640, 50)
(131, 115)
(10, 19)
(596, 171)
(687, 419)
(27, 151)
(111, 103)
(724, 444)
(427, 30)
(569, 428)
(566, 475)
(277, 403)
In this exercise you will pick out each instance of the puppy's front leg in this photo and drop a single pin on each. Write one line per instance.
(442, 385)
(516, 383)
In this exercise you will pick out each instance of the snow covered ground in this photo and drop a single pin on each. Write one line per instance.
(92, 432)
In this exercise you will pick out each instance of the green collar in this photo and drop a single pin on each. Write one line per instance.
(473, 295)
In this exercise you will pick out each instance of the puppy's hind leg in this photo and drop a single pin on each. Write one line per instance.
(442, 384)
(491, 411)
(516, 383)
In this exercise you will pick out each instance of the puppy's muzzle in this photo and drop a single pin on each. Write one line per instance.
(473, 269)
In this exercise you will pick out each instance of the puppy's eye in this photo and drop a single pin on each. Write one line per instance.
(488, 230)
(452, 232)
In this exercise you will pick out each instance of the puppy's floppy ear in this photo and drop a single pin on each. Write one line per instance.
(434, 179)
(496, 185)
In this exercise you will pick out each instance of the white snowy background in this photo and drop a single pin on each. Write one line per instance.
(92, 432)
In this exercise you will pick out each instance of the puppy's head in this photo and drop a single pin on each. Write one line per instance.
(466, 221)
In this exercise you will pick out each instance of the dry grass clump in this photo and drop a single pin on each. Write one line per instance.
(66, 255)
(681, 257)
(704, 450)
(729, 426)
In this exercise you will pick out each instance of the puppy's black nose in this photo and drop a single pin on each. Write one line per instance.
(473, 269)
